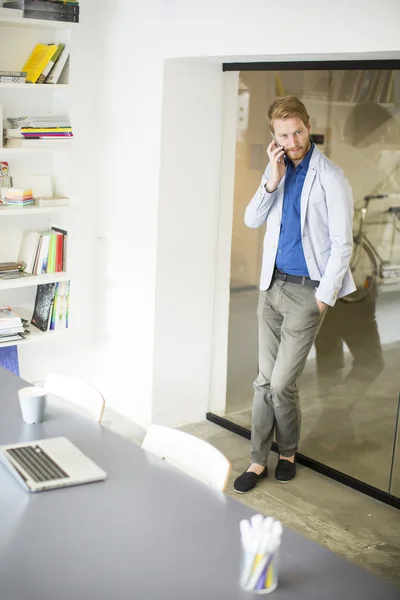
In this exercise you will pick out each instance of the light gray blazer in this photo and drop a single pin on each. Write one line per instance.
(326, 226)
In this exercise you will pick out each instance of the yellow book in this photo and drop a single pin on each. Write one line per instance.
(46, 129)
(38, 60)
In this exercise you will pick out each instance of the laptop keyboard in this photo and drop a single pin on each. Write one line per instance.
(37, 463)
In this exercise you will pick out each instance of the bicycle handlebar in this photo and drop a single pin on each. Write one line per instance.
(394, 196)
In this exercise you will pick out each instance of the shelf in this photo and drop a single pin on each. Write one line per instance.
(33, 86)
(32, 280)
(29, 150)
(35, 23)
(13, 211)
(36, 336)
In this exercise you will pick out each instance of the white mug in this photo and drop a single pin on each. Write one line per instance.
(33, 403)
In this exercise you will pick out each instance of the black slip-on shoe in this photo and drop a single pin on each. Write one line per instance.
(285, 471)
(247, 481)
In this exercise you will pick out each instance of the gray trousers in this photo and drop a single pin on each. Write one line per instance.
(288, 322)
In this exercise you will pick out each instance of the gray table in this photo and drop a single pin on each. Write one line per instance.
(147, 532)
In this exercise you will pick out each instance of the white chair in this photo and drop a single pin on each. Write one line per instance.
(189, 453)
(79, 393)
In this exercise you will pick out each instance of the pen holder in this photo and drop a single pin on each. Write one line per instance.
(259, 574)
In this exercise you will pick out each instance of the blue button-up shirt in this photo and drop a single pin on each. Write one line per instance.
(290, 256)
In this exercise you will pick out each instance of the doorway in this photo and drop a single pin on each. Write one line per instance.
(350, 386)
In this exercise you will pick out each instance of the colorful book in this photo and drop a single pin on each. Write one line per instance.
(51, 63)
(54, 308)
(67, 129)
(67, 308)
(45, 132)
(59, 66)
(28, 249)
(52, 255)
(60, 317)
(64, 246)
(38, 60)
(35, 268)
(59, 252)
(43, 306)
(43, 256)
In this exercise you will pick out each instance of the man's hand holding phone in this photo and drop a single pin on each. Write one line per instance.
(276, 155)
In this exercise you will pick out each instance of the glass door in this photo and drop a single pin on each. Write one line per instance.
(349, 387)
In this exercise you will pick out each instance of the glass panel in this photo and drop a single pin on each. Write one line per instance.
(349, 386)
(246, 256)
(395, 481)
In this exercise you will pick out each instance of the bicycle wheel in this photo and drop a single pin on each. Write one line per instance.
(363, 267)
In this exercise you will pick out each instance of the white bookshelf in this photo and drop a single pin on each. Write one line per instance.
(27, 211)
(36, 335)
(18, 36)
(32, 280)
(46, 148)
(34, 86)
(35, 23)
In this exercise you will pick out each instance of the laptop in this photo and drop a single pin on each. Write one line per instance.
(49, 464)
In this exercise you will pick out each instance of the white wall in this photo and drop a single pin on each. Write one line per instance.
(158, 163)
(191, 149)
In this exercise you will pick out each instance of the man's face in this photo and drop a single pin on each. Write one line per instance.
(294, 136)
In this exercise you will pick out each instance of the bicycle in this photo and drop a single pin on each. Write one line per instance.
(368, 267)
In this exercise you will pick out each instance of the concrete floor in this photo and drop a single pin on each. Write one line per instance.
(358, 527)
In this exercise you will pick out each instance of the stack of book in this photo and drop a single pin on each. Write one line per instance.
(11, 270)
(46, 133)
(12, 76)
(53, 10)
(51, 201)
(35, 131)
(12, 327)
(19, 197)
(51, 306)
(44, 251)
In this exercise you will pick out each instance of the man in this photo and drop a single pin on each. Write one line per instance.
(306, 202)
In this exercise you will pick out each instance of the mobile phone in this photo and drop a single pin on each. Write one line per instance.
(279, 146)
(276, 142)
